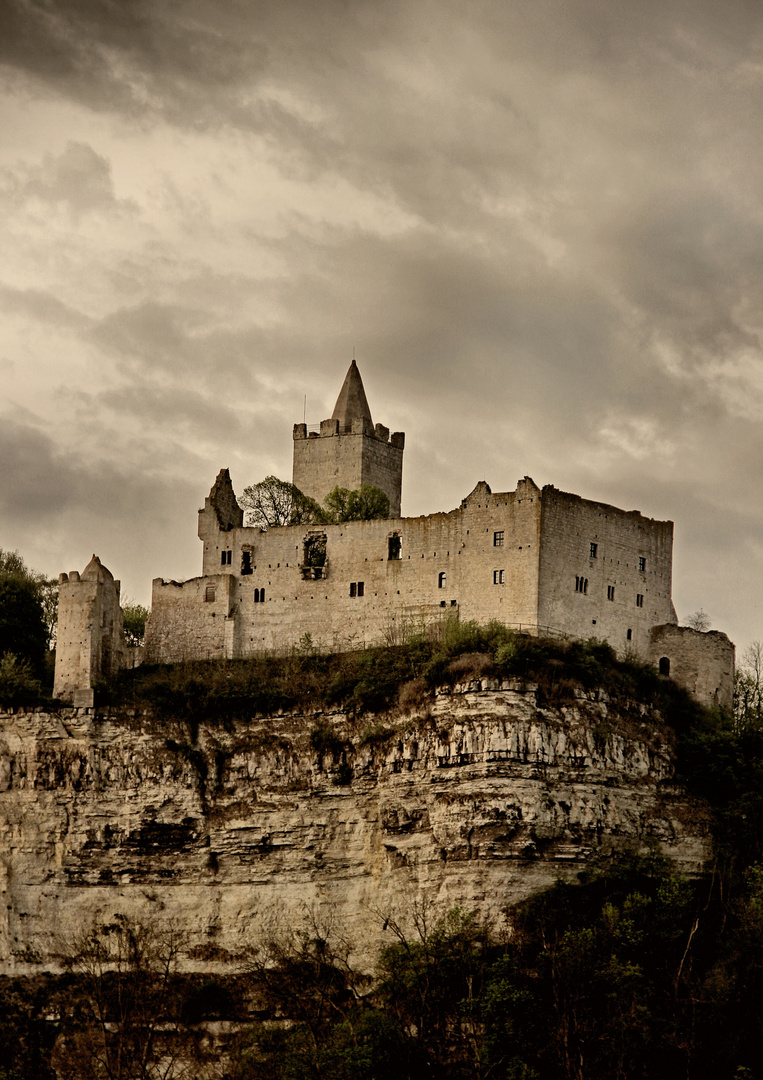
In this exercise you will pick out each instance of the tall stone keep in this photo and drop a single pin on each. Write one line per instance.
(349, 450)
(90, 641)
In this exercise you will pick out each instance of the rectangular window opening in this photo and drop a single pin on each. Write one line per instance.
(639, 599)
(641, 565)
(592, 551)
(498, 538)
(498, 577)
(610, 592)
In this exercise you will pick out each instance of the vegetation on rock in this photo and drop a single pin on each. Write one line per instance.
(273, 502)
(28, 613)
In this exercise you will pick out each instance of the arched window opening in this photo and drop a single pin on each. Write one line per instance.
(441, 579)
(664, 665)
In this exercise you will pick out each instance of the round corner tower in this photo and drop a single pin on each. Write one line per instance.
(349, 450)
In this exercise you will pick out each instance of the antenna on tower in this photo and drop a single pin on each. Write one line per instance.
(304, 411)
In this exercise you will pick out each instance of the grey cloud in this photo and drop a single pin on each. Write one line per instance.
(35, 480)
(135, 58)
(172, 409)
(184, 342)
(57, 508)
(78, 178)
(41, 305)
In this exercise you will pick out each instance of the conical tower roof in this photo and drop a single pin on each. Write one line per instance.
(94, 570)
(351, 403)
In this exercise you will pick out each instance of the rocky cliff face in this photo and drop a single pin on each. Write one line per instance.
(479, 798)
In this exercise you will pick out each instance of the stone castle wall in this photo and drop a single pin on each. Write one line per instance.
(702, 662)
(189, 620)
(378, 577)
(510, 556)
(607, 606)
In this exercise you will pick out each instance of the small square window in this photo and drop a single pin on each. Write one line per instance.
(641, 564)
(592, 551)
(498, 538)
(610, 592)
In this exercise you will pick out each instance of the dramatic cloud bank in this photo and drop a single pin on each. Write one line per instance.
(539, 225)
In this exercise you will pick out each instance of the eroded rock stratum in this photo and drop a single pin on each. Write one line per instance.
(477, 798)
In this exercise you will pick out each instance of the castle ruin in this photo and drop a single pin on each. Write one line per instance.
(538, 560)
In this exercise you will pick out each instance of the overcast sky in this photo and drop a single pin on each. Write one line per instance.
(539, 223)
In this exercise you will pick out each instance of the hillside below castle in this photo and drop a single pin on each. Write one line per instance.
(478, 795)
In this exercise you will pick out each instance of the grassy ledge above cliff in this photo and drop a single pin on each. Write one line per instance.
(374, 680)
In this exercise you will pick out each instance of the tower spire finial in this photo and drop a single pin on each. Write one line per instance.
(351, 403)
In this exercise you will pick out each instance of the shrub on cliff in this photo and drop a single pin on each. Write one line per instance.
(23, 630)
(18, 686)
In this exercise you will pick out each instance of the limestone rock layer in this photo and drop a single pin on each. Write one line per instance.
(477, 798)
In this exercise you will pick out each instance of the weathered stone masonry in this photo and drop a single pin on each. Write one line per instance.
(90, 641)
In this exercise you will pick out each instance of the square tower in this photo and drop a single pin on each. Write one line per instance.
(349, 450)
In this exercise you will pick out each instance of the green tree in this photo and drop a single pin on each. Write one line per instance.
(135, 617)
(125, 1021)
(273, 502)
(611, 965)
(361, 504)
(431, 984)
(18, 685)
(23, 630)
